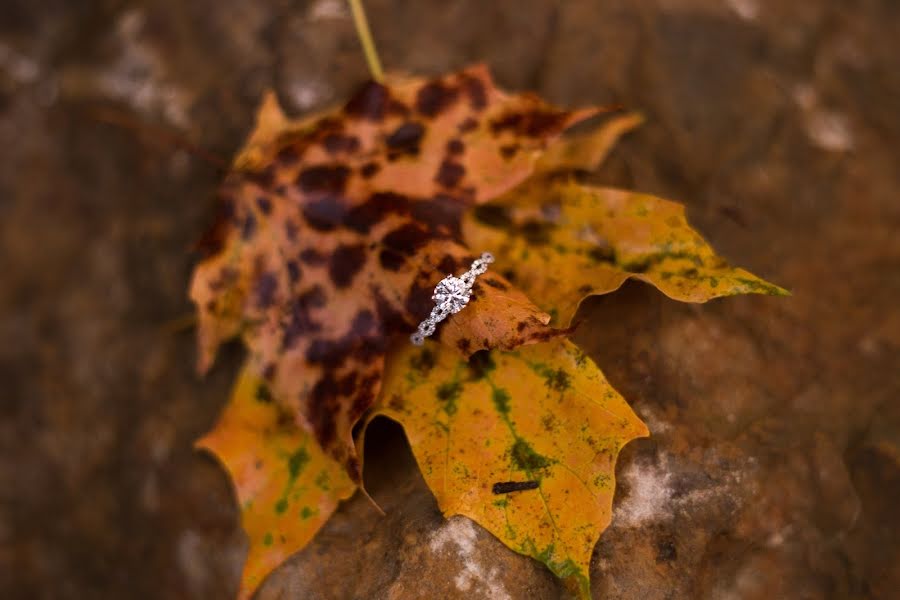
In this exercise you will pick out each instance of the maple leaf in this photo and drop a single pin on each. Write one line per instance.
(286, 485)
(335, 229)
(524, 442)
(564, 241)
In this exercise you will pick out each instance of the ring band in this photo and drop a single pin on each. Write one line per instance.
(451, 295)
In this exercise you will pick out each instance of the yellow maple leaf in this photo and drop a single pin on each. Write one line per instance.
(523, 442)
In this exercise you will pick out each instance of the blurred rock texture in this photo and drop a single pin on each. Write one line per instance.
(774, 468)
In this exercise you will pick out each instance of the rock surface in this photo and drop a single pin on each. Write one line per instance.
(774, 468)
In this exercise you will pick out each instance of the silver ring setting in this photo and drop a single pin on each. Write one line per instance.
(451, 295)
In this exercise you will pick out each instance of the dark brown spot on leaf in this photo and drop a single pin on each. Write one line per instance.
(447, 265)
(369, 102)
(322, 401)
(455, 147)
(369, 170)
(313, 257)
(419, 302)
(346, 261)
(493, 215)
(363, 324)
(423, 362)
(365, 397)
(361, 218)
(263, 394)
(536, 232)
(264, 205)
(269, 372)
(535, 123)
(263, 178)
(467, 125)
(347, 384)
(391, 319)
(288, 155)
(284, 419)
(509, 150)
(450, 173)
(336, 143)
(440, 214)
(434, 97)
(329, 353)
(300, 322)
(476, 92)
(449, 391)
(496, 284)
(293, 271)
(406, 138)
(407, 238)
(264, 290)
(391, 260)
(605, 254)
(396, 402)
(324, 214)
(480, 364)
(324, 179)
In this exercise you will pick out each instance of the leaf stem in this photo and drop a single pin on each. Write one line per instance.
(365, 38)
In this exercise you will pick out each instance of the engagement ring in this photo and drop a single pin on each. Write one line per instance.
(451, 295)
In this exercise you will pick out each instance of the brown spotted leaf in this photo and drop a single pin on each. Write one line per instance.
(286, 486)
(523, 442)
(562, 241)
(334, 230)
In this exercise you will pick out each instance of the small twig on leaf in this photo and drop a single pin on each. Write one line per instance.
(506, 487)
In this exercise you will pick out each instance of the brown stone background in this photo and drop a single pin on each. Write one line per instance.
(774, 469)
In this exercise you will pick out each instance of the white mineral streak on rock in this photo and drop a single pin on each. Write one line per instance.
(328, 9)
(654, 423)
(828, 129)
(307, 94)
(748, 10)
(461, 533)
(649, 497)
(137, 76)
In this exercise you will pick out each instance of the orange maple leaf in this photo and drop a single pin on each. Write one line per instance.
(334, 230)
